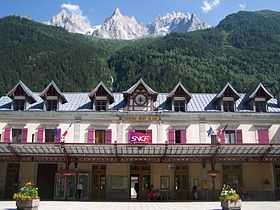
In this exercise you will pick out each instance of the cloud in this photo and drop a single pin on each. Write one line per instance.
(209, 5)
(72, 7)
(243, 6)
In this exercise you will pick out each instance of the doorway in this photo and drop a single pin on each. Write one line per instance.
(277, 181)
(181, 183)
(99, 182)
(140, 181)
(45, 180)
(12, 182)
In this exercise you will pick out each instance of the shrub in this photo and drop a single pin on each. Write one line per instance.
(228, 194)
(27, 192)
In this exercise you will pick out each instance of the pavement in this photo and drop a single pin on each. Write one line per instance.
(62, 205)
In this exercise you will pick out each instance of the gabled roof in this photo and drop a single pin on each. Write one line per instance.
(101, 84)
(52, 84)
(179, 85)
(140, 82)
(236, 95)
(260, 86)
(27, 91)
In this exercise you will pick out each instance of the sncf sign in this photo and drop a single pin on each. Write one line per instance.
(140, 137)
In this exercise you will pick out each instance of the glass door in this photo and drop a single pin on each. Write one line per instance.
(82, 186)
(59, 187)
(65, 186)
(71, 187)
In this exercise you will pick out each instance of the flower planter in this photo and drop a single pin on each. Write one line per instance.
(27, 204)
(231, 205)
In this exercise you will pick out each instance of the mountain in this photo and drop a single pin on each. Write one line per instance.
(176, 22)
(119, 26)
(243, 49)
(72, 21)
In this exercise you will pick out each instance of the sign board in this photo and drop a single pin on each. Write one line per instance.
(140, 137)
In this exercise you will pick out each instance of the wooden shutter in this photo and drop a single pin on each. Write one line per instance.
(91, 136)
(263, 136)
(7, 135)
(108, 136)
(129, 134)
(171, 136)
(150, 133)
(238, 134)
(40, 135)
(222, 137)
(24, 135)
(183, 136)
(57, 135)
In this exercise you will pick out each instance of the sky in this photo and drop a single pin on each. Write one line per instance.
(211, 11)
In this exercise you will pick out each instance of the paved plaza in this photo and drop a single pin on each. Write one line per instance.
(54, 205)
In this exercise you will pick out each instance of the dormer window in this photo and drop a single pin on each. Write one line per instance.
(19, 104)
(52, 97)
(179, 98)
(179, 105)
(260, 105)
(101, 97)
(226, 99)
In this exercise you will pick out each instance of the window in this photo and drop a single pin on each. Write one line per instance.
(228, 106)
(101, 106)
(214, 139)
(49, 135)
(180, 106)
(100, 137)
(177, 137)
(260, 106)
(16, 135)
(51, 105)
(230, 137)
(19, 105)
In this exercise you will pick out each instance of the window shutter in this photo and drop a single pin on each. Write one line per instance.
(57, 135)
(129, 134)
(171, 136)
(24, 135)
(108, 136)
(150, 133)
(91, 136)
(7, 135)
(239, 139)
(263, 136)
(183, 136)
(222, 137)
(40, 135)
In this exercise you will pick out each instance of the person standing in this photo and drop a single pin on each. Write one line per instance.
(79, 190)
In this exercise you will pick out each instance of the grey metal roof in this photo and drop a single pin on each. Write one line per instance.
(79, 101)
(52, 84)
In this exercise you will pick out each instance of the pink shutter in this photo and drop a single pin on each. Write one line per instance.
(222, 137)
(150, 134)
(183, 136)
(24, 135)
(171, 136)
(40, 135)
(108, 136)
(57, 135)
(263, 136)
(91, 135)
(239, 139)
(7, 135)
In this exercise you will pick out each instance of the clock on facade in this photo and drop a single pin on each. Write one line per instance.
(140, 99)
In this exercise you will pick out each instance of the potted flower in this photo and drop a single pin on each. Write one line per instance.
(27, 197)
(230, 200)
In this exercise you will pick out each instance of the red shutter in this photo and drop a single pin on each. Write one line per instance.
(7, 135)
(24, 135)
(263, 136)
(171, 136)
(57, 135)
(239, 139)
(40, 135)
(108, 136)
(183, 136)
(91, 136)
(222, 137)
(129, 134)
(150, 134)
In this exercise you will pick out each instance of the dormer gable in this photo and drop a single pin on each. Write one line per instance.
(21, 95)
(140, 97)
(226, 99)
(101, 97)
(52, 96)
(179, 98)
(257, 100)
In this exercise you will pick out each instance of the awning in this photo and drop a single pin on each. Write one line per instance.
(128, 150)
